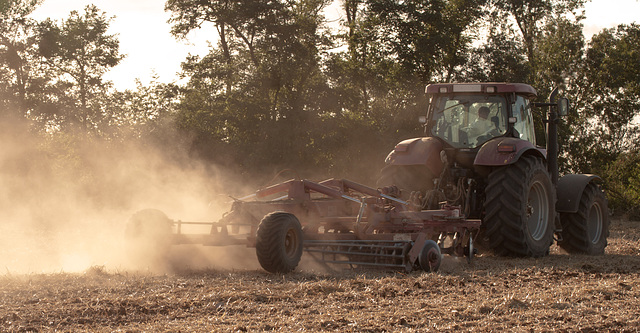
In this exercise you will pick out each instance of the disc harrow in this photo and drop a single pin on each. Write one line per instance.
(339, 222)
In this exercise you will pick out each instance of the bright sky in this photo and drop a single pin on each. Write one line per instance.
(150, 49)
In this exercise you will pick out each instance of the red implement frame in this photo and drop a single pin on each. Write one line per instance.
(344, 222)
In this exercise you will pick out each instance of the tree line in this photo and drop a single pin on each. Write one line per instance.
(282, 88)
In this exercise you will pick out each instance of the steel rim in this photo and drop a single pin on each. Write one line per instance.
(594, 223)
(291, 243)
(433, 258)
(537, 211)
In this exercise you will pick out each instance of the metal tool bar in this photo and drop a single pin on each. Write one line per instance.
(364, 254)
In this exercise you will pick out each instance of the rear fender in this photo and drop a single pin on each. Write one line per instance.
(570, 188)
(418, 151)
(505, 151)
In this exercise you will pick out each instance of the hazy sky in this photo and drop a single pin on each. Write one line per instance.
(144, 35)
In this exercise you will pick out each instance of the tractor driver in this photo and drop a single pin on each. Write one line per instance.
(482, 124)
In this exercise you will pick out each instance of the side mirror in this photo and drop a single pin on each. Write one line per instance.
(563, 107)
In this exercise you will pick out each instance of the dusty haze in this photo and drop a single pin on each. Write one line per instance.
(64, 201)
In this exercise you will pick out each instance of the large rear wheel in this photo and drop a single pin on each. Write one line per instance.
(586, 230)
(520, 209)
(279, 242)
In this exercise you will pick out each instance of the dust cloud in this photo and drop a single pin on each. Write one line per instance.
(65, 201)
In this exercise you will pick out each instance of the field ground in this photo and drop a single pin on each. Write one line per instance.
(556, 293)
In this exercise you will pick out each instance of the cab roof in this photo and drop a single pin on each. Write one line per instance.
(481, 87)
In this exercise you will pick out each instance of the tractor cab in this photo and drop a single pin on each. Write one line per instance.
(465, 116)
(479, 152)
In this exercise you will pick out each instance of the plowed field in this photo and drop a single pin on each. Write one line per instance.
(556, 293)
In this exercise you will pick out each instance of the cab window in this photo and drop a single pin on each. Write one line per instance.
(468, 120)
(524, 120)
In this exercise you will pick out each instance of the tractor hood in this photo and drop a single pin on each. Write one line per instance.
(418, 151)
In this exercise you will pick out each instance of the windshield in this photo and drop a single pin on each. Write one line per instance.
(468, 121)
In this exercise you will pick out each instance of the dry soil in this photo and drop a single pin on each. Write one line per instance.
(557, 293)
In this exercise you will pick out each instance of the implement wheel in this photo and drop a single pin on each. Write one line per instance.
(520, 209)
(279, 242)
(430, 256)
(148, 223)
(148, 236)
(586, 230)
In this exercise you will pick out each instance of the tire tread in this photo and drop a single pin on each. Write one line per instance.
(504, 198)
(574, 226)
(269, 238)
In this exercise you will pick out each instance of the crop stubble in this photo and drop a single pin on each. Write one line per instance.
(555, 293)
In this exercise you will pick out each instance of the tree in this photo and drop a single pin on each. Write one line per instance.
(623, 183)
(18, 66)
(559, 53)
(81, 52)
(394, 49)
(608, 99)
(428, 38)
(532, 17)
(258, 90)
(605, 132)
(612, 71)
(500, 59)
(538, 42)
(143, 114)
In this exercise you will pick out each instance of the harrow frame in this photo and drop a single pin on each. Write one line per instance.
(344, 222)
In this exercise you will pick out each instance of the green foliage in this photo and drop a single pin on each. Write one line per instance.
(608, 97)
(533, 19)
(255, 95)
(623, 180)
(612, 71)
(146, 113)
(539, 42)
(80, 52)
(500, 59)
(280, 90)
(18, 63)
(606, 130)
(559, 52)
(428, 38)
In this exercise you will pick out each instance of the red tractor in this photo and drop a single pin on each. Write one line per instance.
(477, 173)
(480, 153)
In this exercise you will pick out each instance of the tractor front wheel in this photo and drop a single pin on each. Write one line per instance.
(586, 230)
(520, 209)
(279, 242)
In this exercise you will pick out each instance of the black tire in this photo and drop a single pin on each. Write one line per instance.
(148, 236)
(430, 256)
(586, 231)
(470, 250)
(408, 178)
(279, 242)
(148, 223)
(520, 209)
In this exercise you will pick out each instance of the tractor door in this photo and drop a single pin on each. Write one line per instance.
(522, 120)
